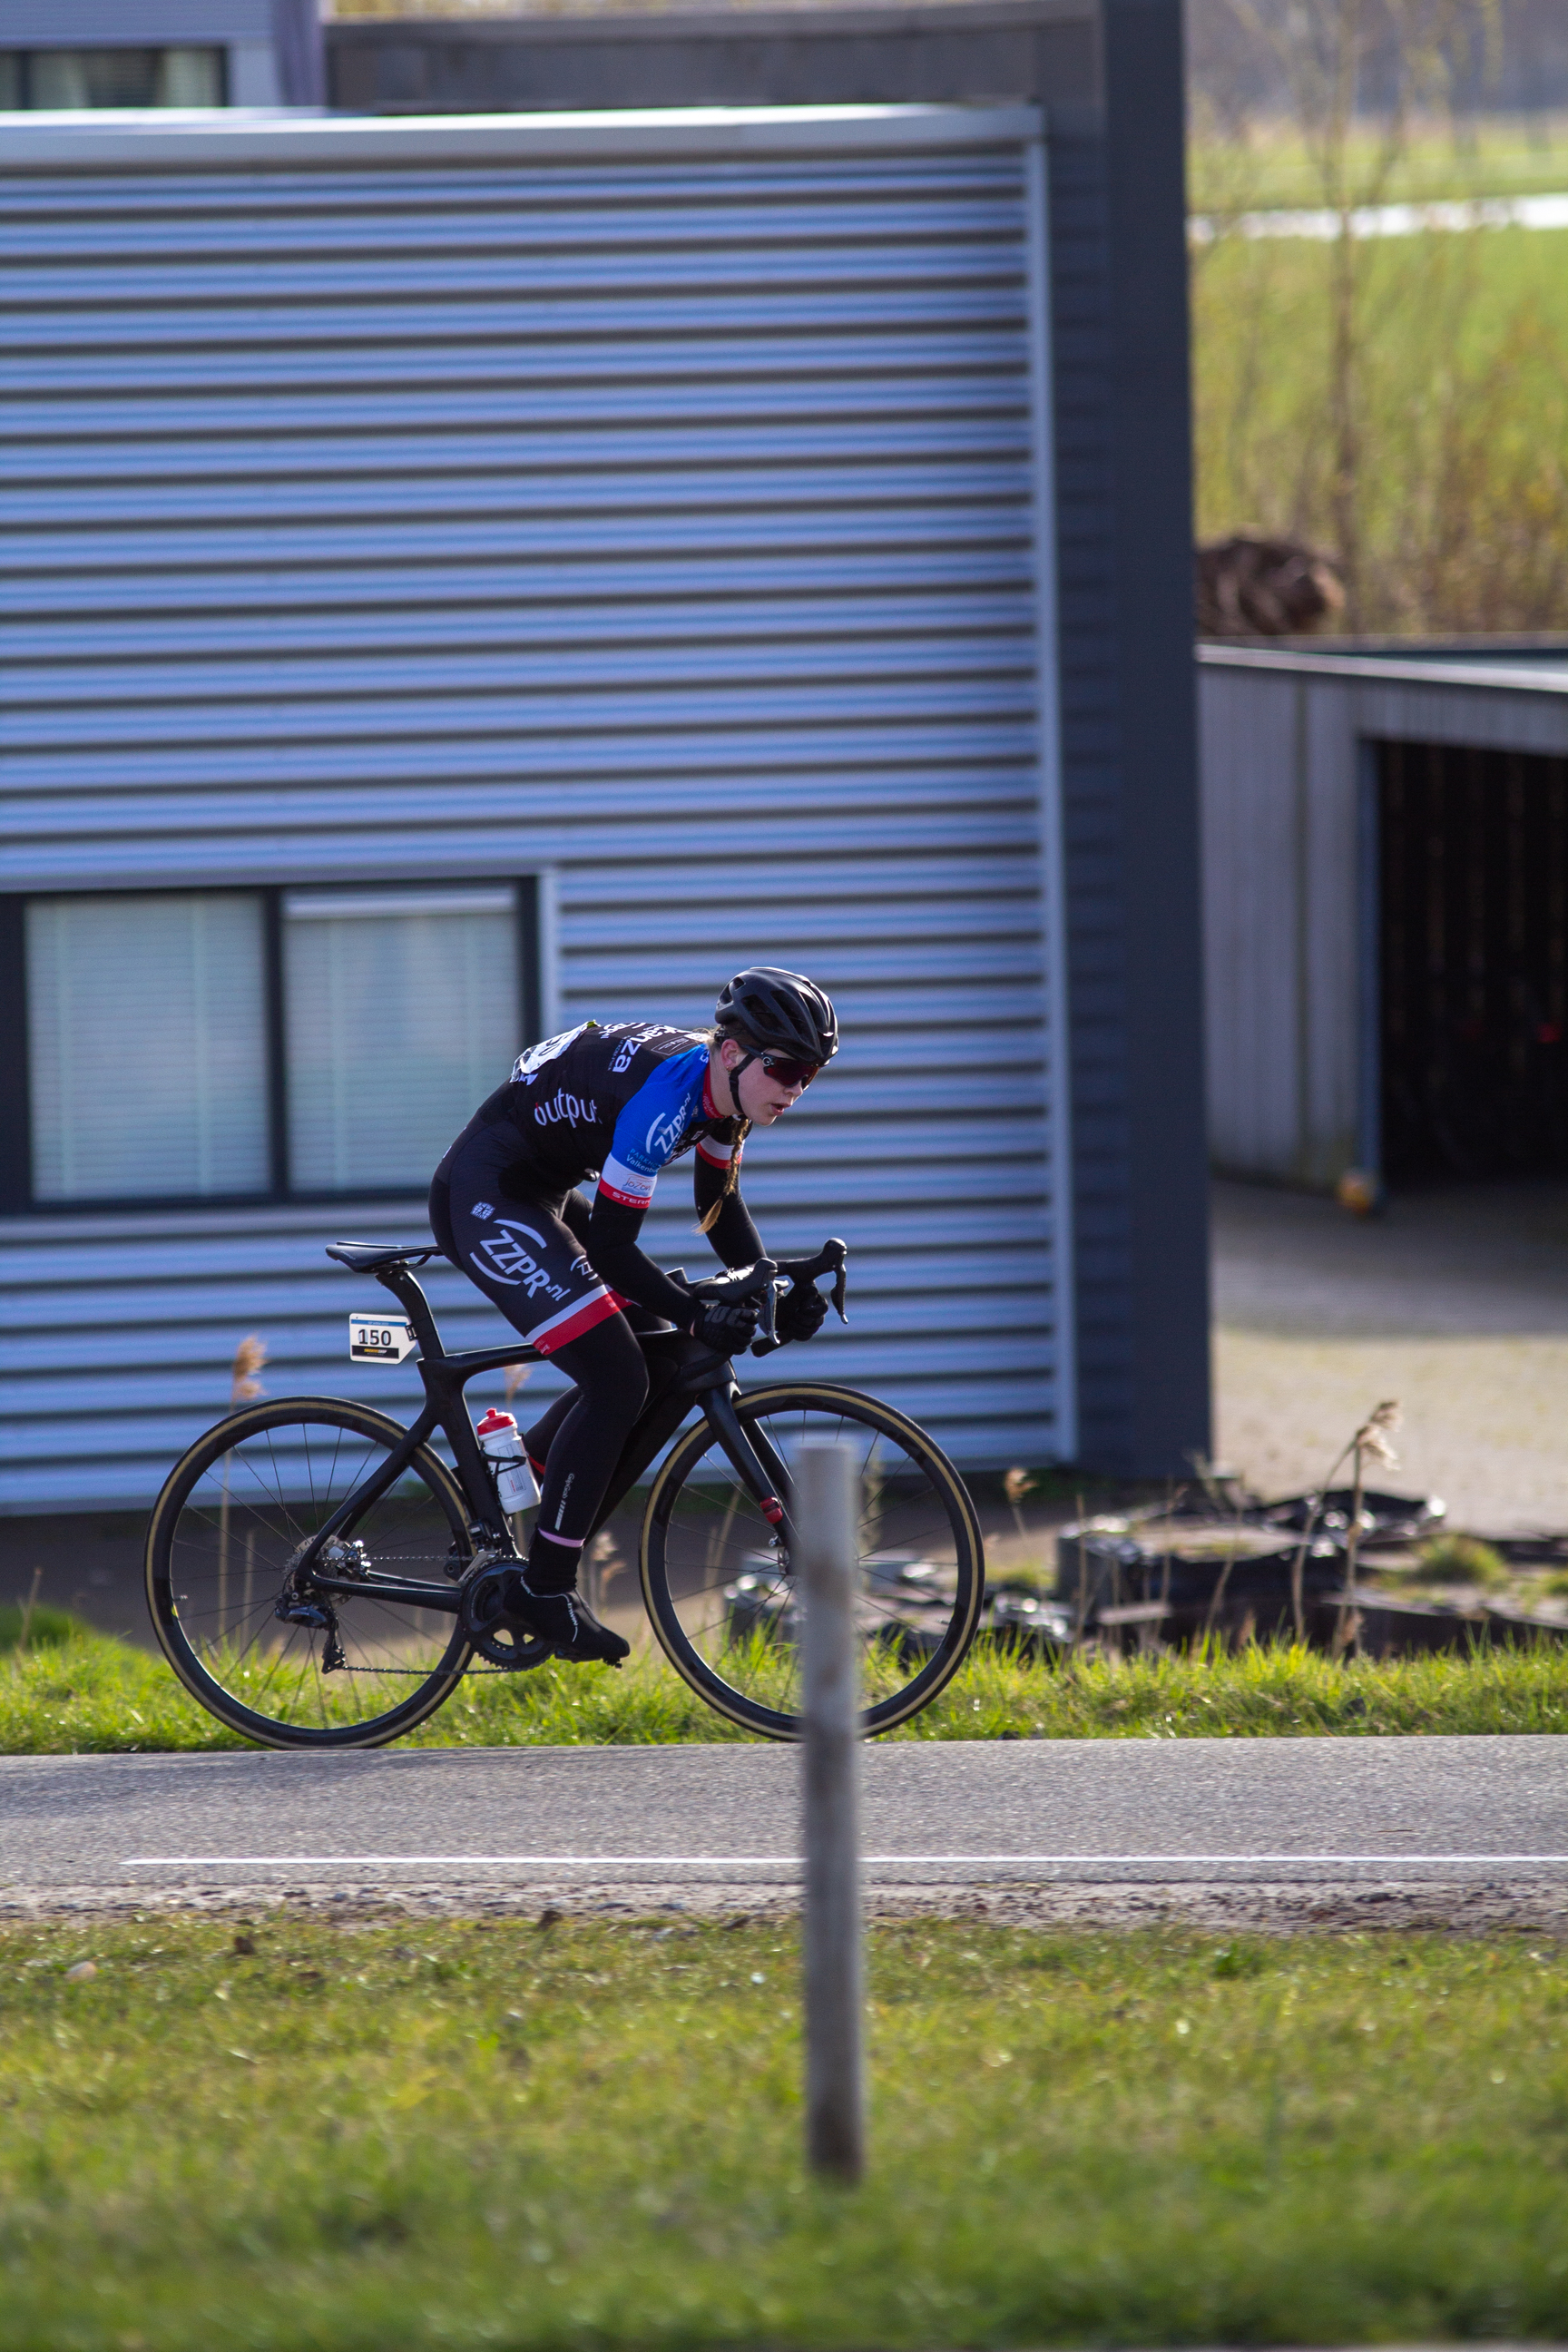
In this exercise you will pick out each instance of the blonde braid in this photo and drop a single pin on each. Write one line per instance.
(731, 1178)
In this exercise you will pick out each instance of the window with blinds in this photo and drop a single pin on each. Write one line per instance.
(118, 77)
(147, 1046)
(402, 1014)
(255, 1043)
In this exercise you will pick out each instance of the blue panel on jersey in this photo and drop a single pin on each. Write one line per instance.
(652, 1124)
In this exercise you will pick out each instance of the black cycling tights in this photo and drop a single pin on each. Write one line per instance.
(579, 1441)
(525, 1251)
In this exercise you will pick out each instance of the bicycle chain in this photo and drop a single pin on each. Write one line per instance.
(480, 1561)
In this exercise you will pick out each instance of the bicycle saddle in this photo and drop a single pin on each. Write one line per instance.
(361, 1257)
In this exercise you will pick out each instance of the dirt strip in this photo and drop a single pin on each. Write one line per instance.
(1474, 1908)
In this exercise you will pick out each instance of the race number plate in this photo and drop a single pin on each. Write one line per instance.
(380, 1338)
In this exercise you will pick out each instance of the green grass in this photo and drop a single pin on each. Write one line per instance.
(91, 1694)
(1283, 1690)
(45, 1629)
(1461, 396)
(434, 2135)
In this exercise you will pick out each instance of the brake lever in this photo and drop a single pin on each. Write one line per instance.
(833, 1254)
(769, 1339)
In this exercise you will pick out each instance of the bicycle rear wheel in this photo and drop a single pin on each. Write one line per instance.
(233, 1513)
(719, 1582)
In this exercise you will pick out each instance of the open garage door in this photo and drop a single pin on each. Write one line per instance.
(1474, 955)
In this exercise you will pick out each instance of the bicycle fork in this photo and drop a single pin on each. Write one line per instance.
(761, 1471)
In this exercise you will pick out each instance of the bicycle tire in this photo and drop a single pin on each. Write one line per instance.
(694, 1626)
(239, 1490)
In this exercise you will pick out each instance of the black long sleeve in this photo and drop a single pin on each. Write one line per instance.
(734, 1237)
(612, 1251)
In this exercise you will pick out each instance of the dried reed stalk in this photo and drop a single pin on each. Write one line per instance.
(1211, 1488)
(28, 1606)
(1082, 1576)
(244, 1388)
(1370, 1440)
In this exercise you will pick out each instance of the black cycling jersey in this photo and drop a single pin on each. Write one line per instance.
(615, 1102)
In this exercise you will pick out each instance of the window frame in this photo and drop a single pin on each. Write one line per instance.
(16, 1195)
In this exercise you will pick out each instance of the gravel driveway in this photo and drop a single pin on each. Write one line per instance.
(1456, 1302)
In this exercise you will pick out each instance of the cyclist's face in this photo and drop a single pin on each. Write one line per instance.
(764, 1094)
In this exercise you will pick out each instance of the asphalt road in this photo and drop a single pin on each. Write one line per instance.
(1116, 1812)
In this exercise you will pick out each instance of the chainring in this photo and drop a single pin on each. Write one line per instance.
(483, 1623)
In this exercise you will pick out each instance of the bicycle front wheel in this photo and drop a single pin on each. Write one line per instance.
(720, 1586)
(233, 1512)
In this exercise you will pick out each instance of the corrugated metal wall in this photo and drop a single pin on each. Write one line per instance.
(667, 522)
(104, 23)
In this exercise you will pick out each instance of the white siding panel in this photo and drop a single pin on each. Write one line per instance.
(667, 524)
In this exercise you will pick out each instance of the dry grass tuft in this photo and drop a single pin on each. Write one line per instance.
(249, 1359)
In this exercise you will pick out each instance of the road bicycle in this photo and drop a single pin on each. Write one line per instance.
(320, 1577)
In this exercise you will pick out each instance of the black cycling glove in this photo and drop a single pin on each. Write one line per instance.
(801, 1312)
(727, 1324)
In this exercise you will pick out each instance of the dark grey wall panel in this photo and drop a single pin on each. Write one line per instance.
(1153, 636)
(1032, 48)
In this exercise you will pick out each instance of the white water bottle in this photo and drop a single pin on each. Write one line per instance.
(499, 1438)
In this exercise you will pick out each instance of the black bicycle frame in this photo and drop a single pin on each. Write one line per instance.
(694, 1374)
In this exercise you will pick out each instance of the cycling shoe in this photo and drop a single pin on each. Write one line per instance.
(565, 1622)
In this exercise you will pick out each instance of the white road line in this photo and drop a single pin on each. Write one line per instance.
(765, 1861)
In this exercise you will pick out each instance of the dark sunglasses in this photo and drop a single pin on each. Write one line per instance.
(787, 1070)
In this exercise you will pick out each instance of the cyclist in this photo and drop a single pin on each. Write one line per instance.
(618, 1100)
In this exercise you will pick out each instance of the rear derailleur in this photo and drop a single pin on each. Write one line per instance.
(321, 1616)
(299, 1603)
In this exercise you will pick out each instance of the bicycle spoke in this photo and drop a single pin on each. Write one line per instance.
(258, 1489)
(725, 1598)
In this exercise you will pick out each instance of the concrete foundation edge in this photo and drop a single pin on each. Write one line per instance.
(1477, 1907)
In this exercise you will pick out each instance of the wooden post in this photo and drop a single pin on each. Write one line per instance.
(826, 1504)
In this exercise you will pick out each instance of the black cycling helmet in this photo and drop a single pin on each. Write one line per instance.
(777, 1011)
